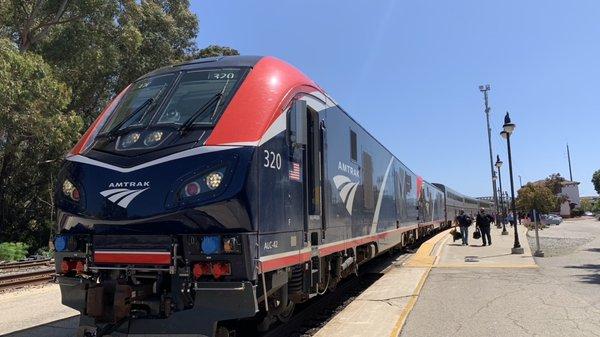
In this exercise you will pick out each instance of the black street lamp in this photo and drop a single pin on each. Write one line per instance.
(498, 165)
(506, 133)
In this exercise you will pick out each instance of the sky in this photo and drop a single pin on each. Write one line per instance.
(409, 72)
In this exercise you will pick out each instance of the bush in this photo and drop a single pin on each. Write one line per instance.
(13, 251)
(576, 212)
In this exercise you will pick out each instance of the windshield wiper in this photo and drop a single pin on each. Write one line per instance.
(135, 112)
(142, 108)
(190, 121)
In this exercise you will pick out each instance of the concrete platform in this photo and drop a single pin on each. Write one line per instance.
(382, 309)
(498, 255)
(558, 298)
(30, 307)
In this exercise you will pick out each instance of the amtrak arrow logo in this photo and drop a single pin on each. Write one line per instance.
(122, 196)
(347, 190)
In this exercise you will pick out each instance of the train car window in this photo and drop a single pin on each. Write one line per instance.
(368, 193)
(353, 146)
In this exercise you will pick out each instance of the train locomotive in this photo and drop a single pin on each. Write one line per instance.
(223, 190)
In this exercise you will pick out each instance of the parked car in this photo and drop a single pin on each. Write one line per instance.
(588, 214)
(551, 219)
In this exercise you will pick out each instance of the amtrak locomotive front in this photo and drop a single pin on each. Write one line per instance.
(221, 190)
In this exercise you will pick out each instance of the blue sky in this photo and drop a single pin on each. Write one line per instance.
(409, 72)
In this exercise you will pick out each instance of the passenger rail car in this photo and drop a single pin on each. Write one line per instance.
(227, 189)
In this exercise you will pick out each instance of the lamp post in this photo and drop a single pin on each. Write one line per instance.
(508, 129)
(484, 89)
(498, 165)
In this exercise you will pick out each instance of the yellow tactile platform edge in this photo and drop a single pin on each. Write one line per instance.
(422, 258)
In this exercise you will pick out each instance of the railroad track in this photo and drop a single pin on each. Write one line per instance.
(32, 277)
(24, 264)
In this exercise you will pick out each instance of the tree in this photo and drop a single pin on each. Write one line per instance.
(100, 46)
(596, 181)
(586, 205)
(61, 61)
(28, 22)
(538, 197)
(214, 50)
(554, 183)
(36, 130)
(129, 39)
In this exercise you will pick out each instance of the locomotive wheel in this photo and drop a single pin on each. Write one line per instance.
(265, 323)
(85, 331)
(286, 313)
(222, 332)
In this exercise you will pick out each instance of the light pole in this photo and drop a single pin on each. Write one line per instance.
(484, 89)
(508, 129)
(498, 165)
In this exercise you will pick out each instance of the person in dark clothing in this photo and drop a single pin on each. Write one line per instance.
(484, 221)
(464, 221)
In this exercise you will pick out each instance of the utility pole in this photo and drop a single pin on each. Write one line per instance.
(569, 157)
(484, 89)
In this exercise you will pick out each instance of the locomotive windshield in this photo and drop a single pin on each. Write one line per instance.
(192, 98)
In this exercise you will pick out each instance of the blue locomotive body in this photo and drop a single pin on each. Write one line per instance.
(227, 189)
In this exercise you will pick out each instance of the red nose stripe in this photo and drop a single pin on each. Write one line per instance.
(126, 257)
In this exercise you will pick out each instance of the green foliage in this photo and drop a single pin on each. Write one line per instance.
(36, 130)
(13, 251)
(577, 212)
(60, 63)
(124, 41)
(596, 181)
(554, 183)
(538, 197)
(213, 50)
(44, 252)
(100, 46)
(586, 205)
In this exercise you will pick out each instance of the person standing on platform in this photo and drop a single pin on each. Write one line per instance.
(464, 221)
(484, 222)
(511, 219)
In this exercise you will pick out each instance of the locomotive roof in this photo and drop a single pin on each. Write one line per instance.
(208, 62)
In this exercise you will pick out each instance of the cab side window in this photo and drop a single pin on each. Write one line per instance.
(353, 146)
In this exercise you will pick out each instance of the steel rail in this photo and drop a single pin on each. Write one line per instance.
(16, 280)
(24, 264)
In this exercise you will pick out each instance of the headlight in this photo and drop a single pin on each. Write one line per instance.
(213, 180)
(203, 184)
(70, 190)
(130, 139)
(153, 138)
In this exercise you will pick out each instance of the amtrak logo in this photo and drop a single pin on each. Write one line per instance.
(123, 196)
(347, 190)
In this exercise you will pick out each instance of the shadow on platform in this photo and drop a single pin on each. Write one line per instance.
(593, 277)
